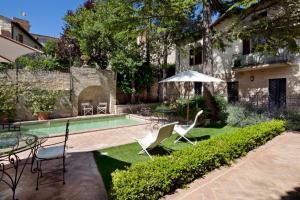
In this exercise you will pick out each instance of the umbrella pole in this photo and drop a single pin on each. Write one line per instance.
(188, 104)
(188, 110)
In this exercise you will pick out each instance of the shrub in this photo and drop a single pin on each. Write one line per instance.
(195, 104)
(198, 103)
(222, 105)
(39, 100)
(41, 62)
(243, 115)
(7, 100)
(293, 119)
(157, 177)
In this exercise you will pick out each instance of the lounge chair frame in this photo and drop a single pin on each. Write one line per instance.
(183, 130)
(152, 140)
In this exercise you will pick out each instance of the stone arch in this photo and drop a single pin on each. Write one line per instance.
(93, 94)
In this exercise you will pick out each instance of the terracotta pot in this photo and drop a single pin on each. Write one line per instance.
(43, 116)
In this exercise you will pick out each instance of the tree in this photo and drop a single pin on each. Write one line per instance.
(68, 48)
(281, 29)
(127, 62)
(87, 27)
(51, 48)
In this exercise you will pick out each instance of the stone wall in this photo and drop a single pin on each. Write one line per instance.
(88, 81)
(77, 86)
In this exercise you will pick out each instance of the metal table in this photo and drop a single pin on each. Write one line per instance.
(161, 114)
(11, 144)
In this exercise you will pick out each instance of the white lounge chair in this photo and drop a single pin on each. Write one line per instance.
(152, 140)
(183, 130)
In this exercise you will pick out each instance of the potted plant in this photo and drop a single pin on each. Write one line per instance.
(41, 102)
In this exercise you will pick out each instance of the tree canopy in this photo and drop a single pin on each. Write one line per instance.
(279, 26)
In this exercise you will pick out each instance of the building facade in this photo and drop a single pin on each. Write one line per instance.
(261, 79)
(43, 39)
(18, 29)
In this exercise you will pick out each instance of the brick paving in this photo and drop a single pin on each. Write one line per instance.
(271, 172)
(83, 181)
(91, 141)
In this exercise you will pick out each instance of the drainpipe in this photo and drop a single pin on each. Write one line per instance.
(70, 77)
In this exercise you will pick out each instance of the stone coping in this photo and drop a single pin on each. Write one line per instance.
(78, 118)
(142, 121)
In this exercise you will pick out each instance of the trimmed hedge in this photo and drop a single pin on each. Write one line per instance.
(155, 178)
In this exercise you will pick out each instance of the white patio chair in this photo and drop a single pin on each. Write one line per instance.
(152, 140)
(87, 109)
(183, 130)
(102, 108)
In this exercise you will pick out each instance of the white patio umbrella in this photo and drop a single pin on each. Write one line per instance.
(11, 49)
(191, 76)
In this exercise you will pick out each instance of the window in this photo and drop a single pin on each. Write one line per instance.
(277, 93)
(196, 56)
(20, 38)
(250, 45)
(233, 92)
(246, 46)
(198, 88)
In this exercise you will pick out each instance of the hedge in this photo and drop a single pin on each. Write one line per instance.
(155, 178)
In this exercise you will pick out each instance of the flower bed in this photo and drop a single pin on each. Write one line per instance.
(155, 178)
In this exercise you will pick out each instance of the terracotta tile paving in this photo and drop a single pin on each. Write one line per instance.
(269, 172)
(83, 181)
(102, 139)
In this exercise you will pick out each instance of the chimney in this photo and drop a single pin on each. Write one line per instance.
(24, 23)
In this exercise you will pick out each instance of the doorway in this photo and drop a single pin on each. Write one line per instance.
(233, 91)
(277, 93)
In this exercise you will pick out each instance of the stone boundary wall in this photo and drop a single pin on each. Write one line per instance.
(43, 79)
(71, 84)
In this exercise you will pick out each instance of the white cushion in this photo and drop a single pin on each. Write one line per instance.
(50, 152)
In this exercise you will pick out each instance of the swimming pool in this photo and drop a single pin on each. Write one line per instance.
(54, 128)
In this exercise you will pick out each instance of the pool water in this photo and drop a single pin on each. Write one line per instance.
(77, 126)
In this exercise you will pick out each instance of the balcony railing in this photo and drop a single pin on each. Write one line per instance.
(256, 59)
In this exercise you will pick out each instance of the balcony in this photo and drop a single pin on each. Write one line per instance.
(261, 60)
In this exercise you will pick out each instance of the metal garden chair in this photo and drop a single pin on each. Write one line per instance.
(51, 152)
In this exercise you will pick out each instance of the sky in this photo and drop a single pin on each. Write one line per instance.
(45, 16)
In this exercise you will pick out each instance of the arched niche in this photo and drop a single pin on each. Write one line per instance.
(93, 95)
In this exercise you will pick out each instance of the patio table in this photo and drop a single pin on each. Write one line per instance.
(11, 144)
(161, 114)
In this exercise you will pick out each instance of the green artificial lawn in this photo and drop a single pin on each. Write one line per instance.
(120, 157)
